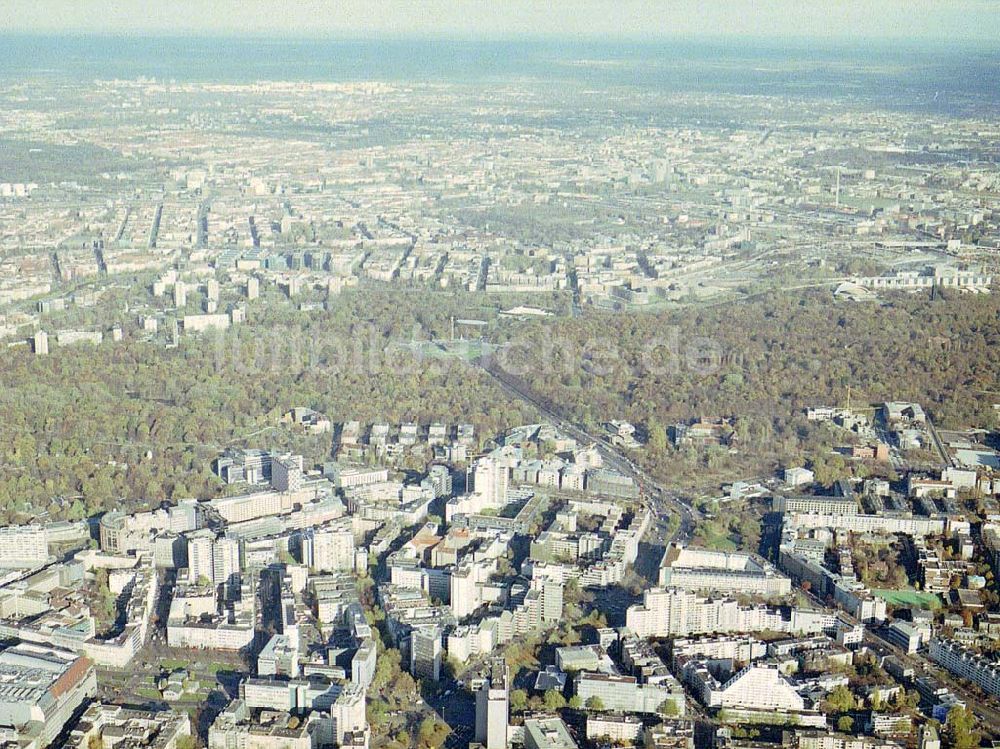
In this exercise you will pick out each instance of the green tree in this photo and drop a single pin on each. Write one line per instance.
(554, 700)
(840, 700)
(77, 511)
(845, 724)
(594, 703)
(518, 700)
(877, 703)
(959, 729)
(575, 702)
(432, 732)
(657, 436)
(668, 709)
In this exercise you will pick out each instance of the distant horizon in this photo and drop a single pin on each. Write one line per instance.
(793, 44)
(956, 80)
(955, 22)
(792, 41)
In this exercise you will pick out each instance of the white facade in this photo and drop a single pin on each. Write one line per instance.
(668, 611)
(755, 687)
(967, 664)
(23, 546)
(328, 549)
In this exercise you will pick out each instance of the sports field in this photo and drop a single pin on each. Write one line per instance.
(909, 598)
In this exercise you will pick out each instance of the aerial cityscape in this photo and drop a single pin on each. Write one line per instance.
(364, 386)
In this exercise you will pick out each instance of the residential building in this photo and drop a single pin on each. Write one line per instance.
(757, 686)
(669, 611)
(493, 705)
(329, 549)
(981, 671)
(617, 727)
(700, 569)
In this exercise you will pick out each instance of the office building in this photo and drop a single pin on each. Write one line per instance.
(425, 653)
(279, 657)
(547, 733)
(904, 635)
(23, 546)
(237, 727)
(348, 713)
(625, 693)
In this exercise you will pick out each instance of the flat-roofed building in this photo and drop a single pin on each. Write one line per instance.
(626, 694)
(547, 733)
(614, 727)
(701, 569)
(128, 728)
(425, 653)
(904, 635)
(493, 706)
(40, 690)
(824, 505)
(961, 661)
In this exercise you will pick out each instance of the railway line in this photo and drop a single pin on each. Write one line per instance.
(658, 499)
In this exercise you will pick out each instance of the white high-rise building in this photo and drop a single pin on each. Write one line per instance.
(328, 549)
(668, 611)
(490, 479)
(180, 295)
(493, 706)
(425, 653)
(466, 585)
(348, 712)
(201, 560)
(225, 560)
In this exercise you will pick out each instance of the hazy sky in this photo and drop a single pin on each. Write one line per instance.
(961, 20)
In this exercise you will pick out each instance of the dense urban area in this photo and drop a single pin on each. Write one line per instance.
(440, 414)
